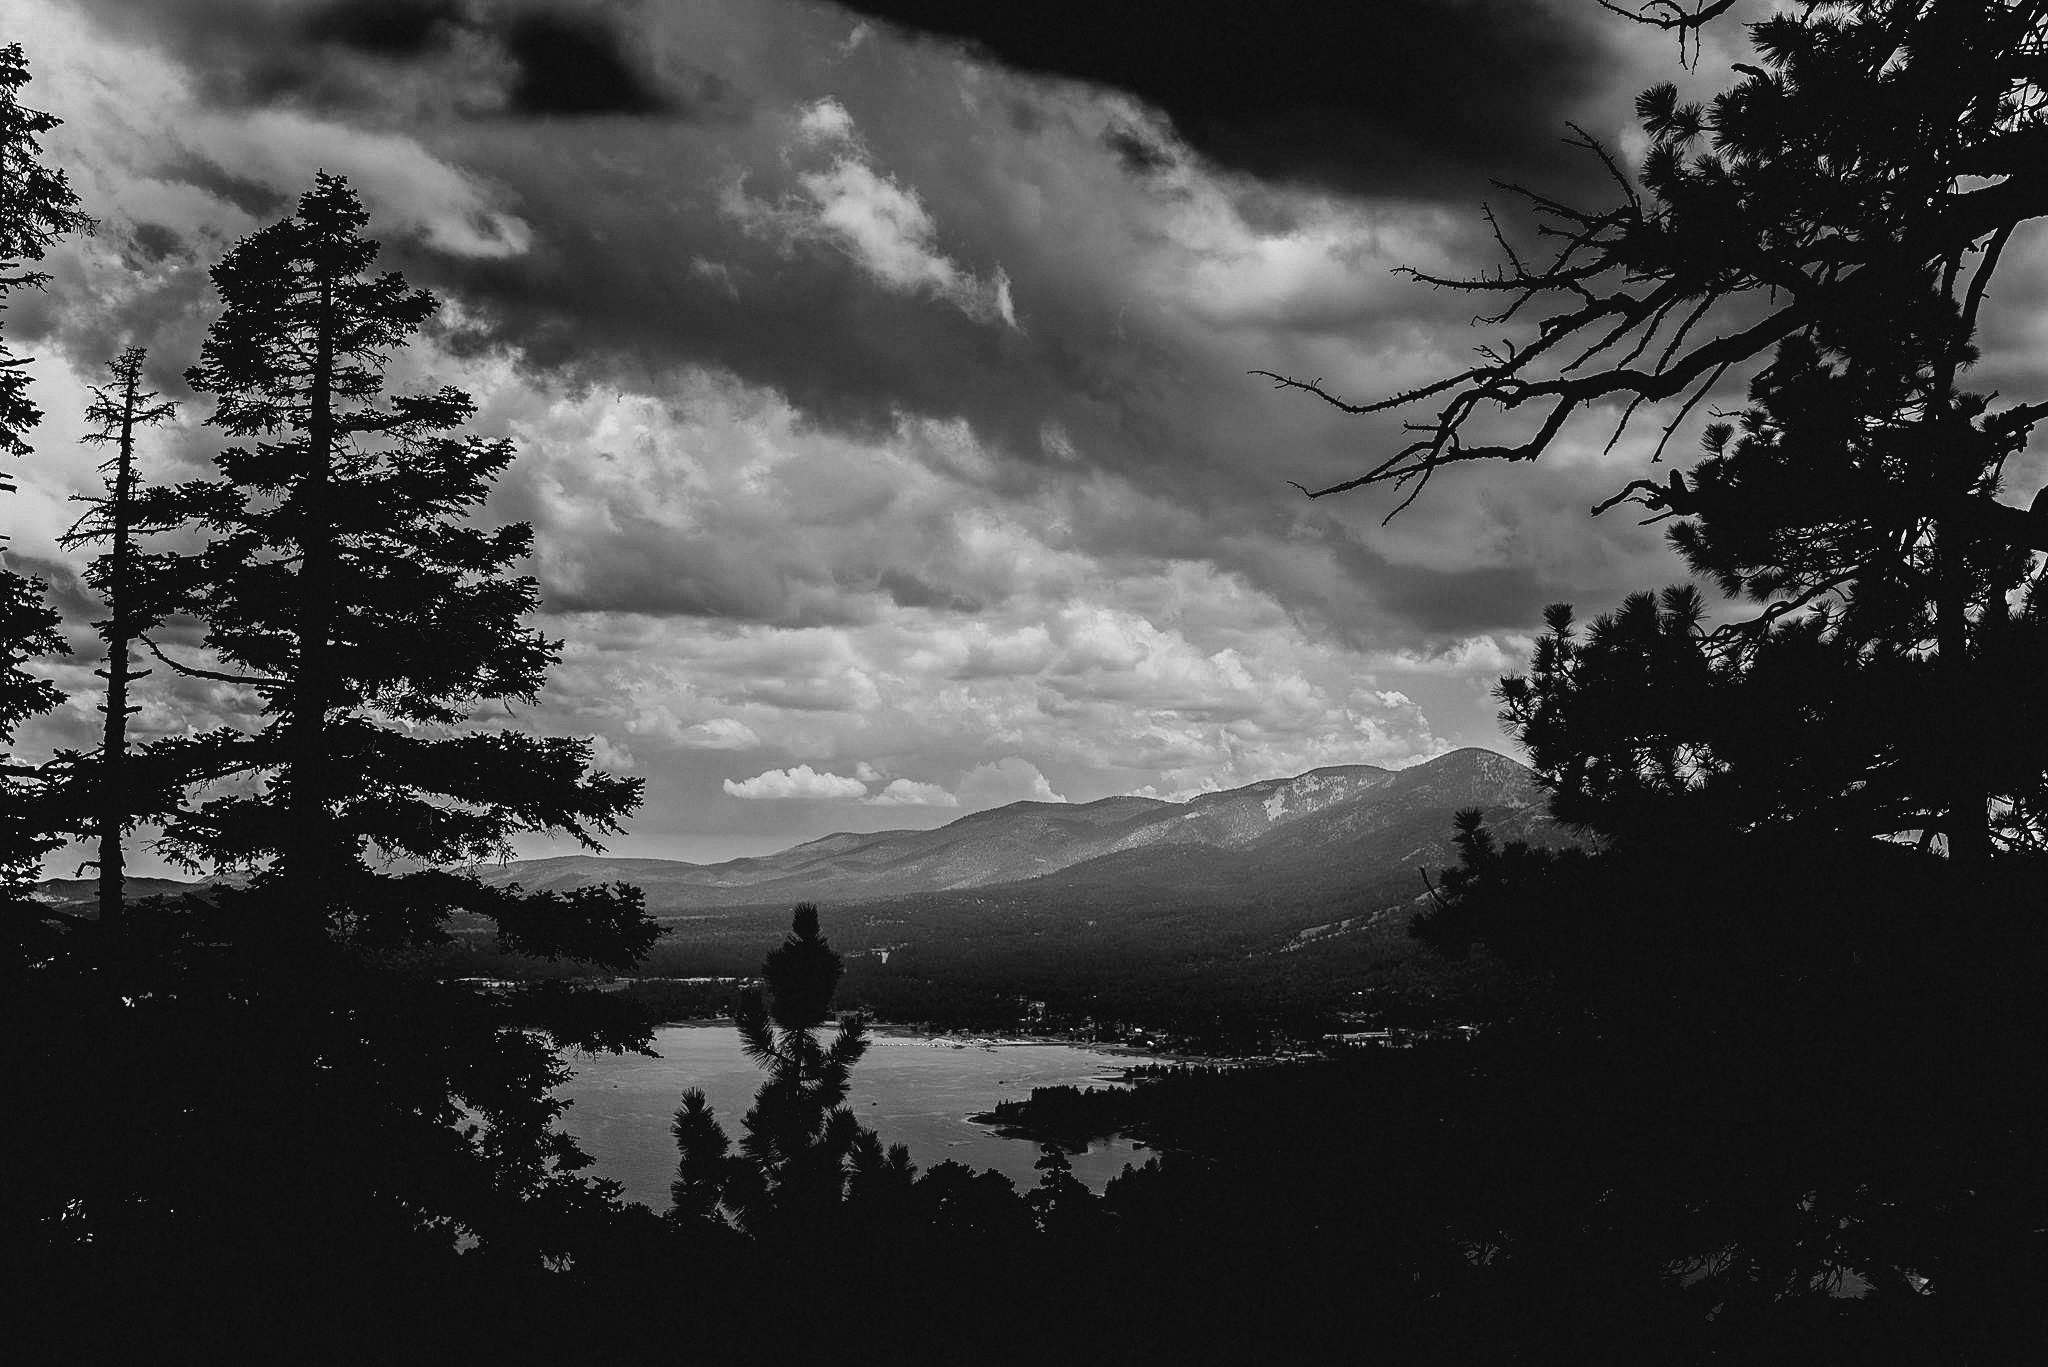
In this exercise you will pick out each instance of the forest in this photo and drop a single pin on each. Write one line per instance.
(1756, 1071)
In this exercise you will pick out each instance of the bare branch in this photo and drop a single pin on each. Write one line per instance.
(1974, 298)
(193, 672)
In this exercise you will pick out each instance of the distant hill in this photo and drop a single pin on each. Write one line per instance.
(69, 891)
(1295, 823)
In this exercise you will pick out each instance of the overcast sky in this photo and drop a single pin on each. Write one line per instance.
(880, 392)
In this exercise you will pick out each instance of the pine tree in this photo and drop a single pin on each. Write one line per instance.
(120, 576)
(800, 1146)
(1792, 976)
(345, 584)
(37, 207)
(348, 587)
(1836, 219)
(1061, 1203)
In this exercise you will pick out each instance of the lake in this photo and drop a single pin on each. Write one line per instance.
(908, 1089)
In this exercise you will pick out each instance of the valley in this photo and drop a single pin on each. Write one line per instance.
(1240, 919)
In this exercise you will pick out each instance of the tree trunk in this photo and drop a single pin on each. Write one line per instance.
(304, 862)
(113, 794)
(1961, 780)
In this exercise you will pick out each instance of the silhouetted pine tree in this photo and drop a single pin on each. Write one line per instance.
(1810, 1025)
(1061, 1203)
(338, 1093)
(346, 584)
(800, 1145)
(28, 631)
(1836, 217)
(37, 207)
(121, 576)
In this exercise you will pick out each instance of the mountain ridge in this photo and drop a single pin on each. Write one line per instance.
(1325, 828)
(1297, 817)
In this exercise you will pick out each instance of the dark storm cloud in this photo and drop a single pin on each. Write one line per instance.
(1379, 98)
(388, 28)
(850, 357)
(576, 64)
(1145, 283)
(1460, 602)
(1138, 154)
(908, 591)
(525, 60)
(815, 335)
(255, 198)
(153, 243)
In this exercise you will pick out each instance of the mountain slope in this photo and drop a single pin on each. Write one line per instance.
(1336, 821)
(1329, 835)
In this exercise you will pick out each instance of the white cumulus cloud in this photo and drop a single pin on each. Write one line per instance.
(610, 756)
(1010, 779)
(903, 792)
(802, 781)
(825, 121)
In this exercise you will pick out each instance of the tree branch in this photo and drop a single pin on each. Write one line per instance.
(193, 672)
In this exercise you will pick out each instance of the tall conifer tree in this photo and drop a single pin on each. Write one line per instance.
(118, 412)
(37, 207)
(348, 587)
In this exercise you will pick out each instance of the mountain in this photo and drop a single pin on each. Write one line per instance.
(1283, 901)
(1334, 838)
(1347, 820)
(1284, 896)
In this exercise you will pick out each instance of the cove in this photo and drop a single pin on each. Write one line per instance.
(910, 1089)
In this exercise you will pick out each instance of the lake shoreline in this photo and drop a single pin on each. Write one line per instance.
(930, 1092)
(942, 1039)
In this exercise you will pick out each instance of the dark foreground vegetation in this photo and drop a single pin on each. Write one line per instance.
(1227, 1004)
(1757, 1073)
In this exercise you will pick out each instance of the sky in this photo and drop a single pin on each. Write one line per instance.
(880, 374)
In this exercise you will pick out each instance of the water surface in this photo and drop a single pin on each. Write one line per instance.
(907, 1089)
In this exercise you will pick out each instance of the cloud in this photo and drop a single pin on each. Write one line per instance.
(1474, 655)
(1177, 795)
(575, 64)
(719, 733)
(389, 28)
(801, 782)
(566, 60)
(1376, 99)
(610, 756)
(1007, 780)
(795, 246)
(454, 213)
(884, 228)
(801, 495)
(903, 792)
(825, 121)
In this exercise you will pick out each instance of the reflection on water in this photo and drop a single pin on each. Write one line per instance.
(908, 1092)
